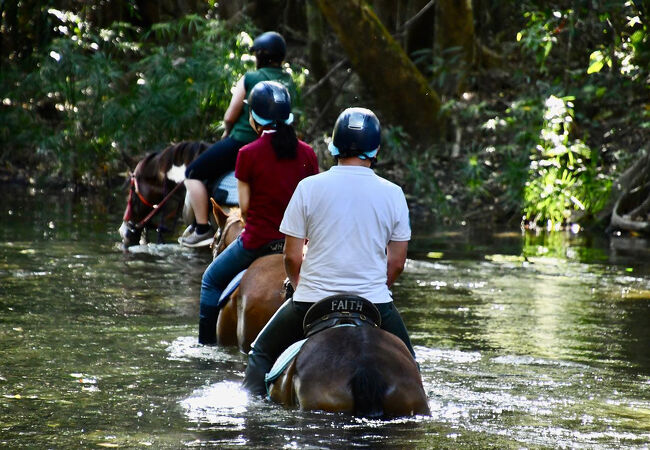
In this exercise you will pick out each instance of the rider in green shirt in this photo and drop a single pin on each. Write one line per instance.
(269, 49)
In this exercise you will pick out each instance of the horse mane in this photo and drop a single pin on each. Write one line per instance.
(185, 152)
(155, 165)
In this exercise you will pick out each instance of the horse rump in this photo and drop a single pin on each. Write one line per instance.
(368, 389)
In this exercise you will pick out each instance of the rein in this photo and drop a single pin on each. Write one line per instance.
(224, 232)
(155, 208)
(143, 200)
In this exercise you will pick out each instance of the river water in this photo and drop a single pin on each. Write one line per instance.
(524, 341)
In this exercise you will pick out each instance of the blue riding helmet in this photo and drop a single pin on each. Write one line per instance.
(270, 102)
(270, 45)
(356, 133)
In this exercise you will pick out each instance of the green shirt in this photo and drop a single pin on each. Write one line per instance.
(242, 130)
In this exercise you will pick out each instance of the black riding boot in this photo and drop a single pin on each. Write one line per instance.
(257, 367)
(208, 324)
(391, 321)
(282, 330)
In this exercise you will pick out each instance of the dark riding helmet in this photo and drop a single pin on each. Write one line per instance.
(270, 102)
(356, 133)
(269, 47)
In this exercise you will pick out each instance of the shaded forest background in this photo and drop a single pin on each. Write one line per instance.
(495, 111)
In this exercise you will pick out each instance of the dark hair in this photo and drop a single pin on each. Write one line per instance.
(284, 141)
(263, 60)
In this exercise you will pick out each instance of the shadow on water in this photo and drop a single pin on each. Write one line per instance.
(524, 340)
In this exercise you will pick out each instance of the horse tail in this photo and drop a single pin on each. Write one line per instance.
(368, 388)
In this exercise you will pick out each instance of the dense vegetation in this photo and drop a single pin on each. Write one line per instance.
(541, 105)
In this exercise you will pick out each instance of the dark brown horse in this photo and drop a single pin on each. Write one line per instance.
(357, 369)
(259, 294)
(155, 177)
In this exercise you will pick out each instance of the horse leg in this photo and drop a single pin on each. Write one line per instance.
(405, 395)
(262, 293)
(227, 321)
(255, 312)
(320, 386)
(282, 389)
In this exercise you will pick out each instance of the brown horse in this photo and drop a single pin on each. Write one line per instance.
(259, 294)
(156, 176)
(359, 369)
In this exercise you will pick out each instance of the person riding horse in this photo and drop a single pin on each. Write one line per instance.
(269, 49)
(357, 225)
(267, 171)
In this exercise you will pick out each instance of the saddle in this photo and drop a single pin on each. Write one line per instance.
(332, 311)
(340, 309)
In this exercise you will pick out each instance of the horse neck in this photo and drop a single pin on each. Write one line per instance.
(230, 231)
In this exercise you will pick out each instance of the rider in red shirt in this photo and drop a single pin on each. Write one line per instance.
(271, 182)
(267, 171)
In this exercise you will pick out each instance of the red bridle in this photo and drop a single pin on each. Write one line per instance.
(154, 208)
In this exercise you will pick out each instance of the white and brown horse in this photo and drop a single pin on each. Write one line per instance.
(157, 192)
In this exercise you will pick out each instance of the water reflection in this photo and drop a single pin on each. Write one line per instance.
(524, 340)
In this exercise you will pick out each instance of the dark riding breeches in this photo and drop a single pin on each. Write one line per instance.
(217, 160)
(285, 328)
(282, 330)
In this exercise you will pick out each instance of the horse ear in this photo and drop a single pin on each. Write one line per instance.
(219, 215)
(128, 160)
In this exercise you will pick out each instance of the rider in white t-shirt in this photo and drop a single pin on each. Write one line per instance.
(357, 227)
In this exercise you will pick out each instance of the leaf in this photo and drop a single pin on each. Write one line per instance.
(596, 62)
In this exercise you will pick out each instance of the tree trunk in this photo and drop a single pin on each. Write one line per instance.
(629, 201)
(402, 93)
(388, 13)
(454, 40)
(315, 39)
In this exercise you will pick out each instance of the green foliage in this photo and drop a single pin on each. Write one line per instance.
(417, 171)
(111, 91)
(628, 52)
(563, 171)
(538, 37)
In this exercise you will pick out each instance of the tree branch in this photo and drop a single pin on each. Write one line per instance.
(325, 78)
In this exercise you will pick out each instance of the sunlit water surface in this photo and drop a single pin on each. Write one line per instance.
(524, 341)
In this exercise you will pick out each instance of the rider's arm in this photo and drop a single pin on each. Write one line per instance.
(235, 107)
(293, 248)
(244, 194)
(396, 253)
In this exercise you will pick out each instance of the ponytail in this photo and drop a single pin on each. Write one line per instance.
(284, 141)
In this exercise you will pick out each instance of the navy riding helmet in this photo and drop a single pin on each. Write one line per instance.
(270, 103)
(356, 133)
(270, 46)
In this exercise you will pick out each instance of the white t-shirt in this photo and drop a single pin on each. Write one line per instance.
(349, 214)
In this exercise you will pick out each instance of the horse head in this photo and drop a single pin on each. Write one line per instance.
(154, 178)
(145, 191)
(230, 227)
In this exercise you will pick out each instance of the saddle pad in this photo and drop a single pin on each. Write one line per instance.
(228, 187)
(282, 362)
(225, 295)
(285, 359)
